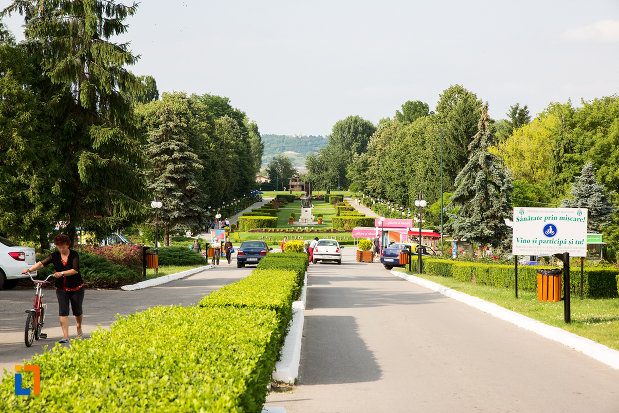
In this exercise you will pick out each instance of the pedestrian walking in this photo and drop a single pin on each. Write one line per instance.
(216, 251)
(69, 284)
(283, 243)
(196, 246)
(228, 249)
(312, 246)
(376, 247)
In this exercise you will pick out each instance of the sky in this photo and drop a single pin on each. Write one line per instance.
(298, 67)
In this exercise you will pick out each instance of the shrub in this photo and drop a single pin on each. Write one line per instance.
(246, 223)
(284, 198)
(293, 246)
(354, 213)
(162, 359)
(335, 198)
(99, 272)
(180, 256)
(365, 245)
(348, 223)
(272, 289)
(276, 261)
(124, 255)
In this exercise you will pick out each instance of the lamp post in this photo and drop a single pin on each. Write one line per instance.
(382, 234)
(156, 205)
(420, 203)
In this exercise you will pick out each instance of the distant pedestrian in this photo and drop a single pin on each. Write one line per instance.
(312, 247)
(216, 251)
(376, 247)
(283, 245)
(196, 246)
(228, 249)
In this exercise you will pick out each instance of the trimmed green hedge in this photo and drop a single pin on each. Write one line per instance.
(332, 199)
(350, 222)
(180, 256)
(288, 261)
(265, 288)
(174, 359)
(261, 213)
(285, 198)
(246, 223)
(597, 282)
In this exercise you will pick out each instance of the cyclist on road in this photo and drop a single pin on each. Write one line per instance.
(69, 284)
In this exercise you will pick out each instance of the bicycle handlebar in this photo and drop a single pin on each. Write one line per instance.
(40, 281)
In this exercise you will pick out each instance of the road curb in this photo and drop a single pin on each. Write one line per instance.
(588, 347)
(287, 368)
(164, 279)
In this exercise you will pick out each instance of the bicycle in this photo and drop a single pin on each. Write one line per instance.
(36, 315)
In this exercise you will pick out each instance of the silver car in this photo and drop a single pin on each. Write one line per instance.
(13, 259)
(327, 250)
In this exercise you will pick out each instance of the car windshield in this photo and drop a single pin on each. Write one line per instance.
(253, 244)
(397, 247)
(327, 243)
(7, 242)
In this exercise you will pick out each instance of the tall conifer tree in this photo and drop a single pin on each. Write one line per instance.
(483, 193)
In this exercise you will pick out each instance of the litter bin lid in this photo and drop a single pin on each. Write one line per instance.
(550, 271)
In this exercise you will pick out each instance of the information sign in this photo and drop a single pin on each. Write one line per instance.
(548, 231)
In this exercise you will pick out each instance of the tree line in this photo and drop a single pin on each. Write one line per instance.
(88, 144)
(529, 162)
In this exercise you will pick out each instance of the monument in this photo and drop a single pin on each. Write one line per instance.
(306, 206)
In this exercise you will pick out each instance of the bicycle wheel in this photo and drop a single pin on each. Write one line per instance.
(37, 333)
(29, 332)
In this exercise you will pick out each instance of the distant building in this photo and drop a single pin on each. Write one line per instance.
(262, 179)
(296, 184)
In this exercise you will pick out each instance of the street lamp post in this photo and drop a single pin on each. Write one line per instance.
(382, 234)
(156, 205)
(420, 203)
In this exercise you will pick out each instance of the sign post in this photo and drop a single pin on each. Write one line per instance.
(559, 232)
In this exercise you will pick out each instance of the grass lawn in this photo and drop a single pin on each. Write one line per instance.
(595, 319)
(168, 269)
(320, 207)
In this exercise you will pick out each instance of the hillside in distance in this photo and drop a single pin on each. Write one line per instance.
(294, 147)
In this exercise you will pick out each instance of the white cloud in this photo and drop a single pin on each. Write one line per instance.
(604, 31)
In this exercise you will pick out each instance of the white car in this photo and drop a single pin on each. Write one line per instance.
(13, 259)
(327, 250)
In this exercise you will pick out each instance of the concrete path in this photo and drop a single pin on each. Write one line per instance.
(100, 308)
(362, 208)
(376, 343)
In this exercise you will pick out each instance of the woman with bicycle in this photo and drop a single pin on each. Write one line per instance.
(69, 283)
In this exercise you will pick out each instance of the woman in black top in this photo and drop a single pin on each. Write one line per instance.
(69, 284)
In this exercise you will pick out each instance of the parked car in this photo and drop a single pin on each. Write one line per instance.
(390, 256)
(251, 252)
(13, 259)
(327, 250)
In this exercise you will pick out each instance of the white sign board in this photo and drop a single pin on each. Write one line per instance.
(548, 231)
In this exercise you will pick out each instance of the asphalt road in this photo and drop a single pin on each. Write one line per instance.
(376, 343)
(100, 308)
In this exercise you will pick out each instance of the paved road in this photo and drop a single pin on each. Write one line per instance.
(100, 308)
(376, 343)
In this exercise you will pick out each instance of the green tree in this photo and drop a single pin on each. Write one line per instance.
(528, 195)
(99, 148)
(411, 111)
(588, 193)
(144, 94)
(483, 193)
(280, 170)
(172, 170)
(458, 110)
(518, 116)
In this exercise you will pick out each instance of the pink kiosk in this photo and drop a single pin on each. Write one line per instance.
(396, 230)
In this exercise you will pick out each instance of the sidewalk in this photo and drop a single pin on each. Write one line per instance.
(362, 208)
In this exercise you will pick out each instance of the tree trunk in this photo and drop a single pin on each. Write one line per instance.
(166, 241)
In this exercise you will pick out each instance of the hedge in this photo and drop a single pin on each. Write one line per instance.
(180, 256)
(246, 223)
(272, 289)
(261, 213)
(172, 359)
(285, 198)
(335, 198)
(293, 246)
(597, 282)
(353, 213)
(350, 222)
(296, 263)
(345, 208)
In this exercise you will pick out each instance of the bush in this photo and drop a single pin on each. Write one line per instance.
(285, 198)
(265, 288)
(180, 256)
(365, 245)
(335, 198)
(275, 261)
(162, 359)
(353, 213)
(293, 246)
(597, 282)
(124, 255)
(345, 208)
(99, 272)
(348, 223)
(246, 223)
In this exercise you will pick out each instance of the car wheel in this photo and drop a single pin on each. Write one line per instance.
(8, 284)
(339, 262)
(239, 265)
(388, 266)
(3, 280)
(314, 261)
